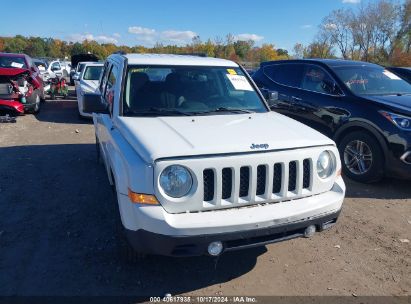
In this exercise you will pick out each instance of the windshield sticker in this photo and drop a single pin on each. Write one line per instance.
(16, 65)
(358, 81)
(231, 72)
(239, 82)
(391, 75)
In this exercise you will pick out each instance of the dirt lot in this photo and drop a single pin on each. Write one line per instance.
(58, 219)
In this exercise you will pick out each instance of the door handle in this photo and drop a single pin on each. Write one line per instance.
(293, 98)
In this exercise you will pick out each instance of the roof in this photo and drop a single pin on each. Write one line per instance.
(91, 63)
(399, 68)
(329, 62)
(168, 59)
(13, 55)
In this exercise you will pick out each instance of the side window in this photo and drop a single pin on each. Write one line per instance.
(109, 91)
(288, 74)
(316, 79)
(103, 79)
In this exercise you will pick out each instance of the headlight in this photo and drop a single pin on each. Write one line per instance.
(176, 181)
(325, 164)
(402, 122)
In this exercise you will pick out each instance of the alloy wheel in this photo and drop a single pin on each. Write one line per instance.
(358, 157)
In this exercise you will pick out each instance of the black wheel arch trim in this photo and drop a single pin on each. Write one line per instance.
(371, 128)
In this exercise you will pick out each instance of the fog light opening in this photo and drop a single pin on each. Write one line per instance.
(309, 231)
(215, 248)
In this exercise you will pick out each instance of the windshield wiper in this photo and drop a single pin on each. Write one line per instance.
(157, 112)
(224, 109)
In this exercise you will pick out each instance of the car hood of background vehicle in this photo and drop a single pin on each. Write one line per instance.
(400, 103)
(166, 137)
(12, 72)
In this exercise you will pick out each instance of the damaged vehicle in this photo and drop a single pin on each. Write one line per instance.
(16, 91)
(200, 164)
(21, 87)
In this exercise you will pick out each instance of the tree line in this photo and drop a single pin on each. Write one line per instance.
(227, 47)
(377, 32)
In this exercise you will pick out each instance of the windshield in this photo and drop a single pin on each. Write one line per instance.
(12, 62)
(180, 90)
(92, 73)
(372, 81)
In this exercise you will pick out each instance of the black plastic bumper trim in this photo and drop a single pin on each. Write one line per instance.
(152, 243)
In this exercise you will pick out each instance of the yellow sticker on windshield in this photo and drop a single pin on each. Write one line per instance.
(231, 71)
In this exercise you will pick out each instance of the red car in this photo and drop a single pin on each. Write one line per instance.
(21, 86)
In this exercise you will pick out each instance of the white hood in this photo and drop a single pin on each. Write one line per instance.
(165, 137)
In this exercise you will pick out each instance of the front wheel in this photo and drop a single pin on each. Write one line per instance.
(362, 157)
(35, 98)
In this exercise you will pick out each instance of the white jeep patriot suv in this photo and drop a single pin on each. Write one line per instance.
(200, 164)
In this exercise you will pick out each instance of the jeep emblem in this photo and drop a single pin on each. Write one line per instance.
(260, 146)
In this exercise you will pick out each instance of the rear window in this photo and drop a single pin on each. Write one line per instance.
(92, 73)
(12, 62)
(289, 74)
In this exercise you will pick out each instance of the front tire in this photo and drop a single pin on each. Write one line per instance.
(35, 98)
(362, 157)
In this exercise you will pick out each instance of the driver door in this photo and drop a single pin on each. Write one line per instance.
(321, 103)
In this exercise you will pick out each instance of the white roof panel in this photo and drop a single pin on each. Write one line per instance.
(168, 59)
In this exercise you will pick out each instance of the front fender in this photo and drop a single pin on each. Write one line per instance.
(362, 124)
(128, 168)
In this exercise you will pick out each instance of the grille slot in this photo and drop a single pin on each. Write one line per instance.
(227, 183)
(277, 178)
(208, 182)
(261, 178)
(292, 176)
(306, 173)
(244, 181)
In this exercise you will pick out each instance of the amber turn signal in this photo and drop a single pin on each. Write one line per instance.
(140, 198)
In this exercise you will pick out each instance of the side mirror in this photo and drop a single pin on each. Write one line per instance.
(272, 98)
(331, 88)
(92, 104)
(76, 76)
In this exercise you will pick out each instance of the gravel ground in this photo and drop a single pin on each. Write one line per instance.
(58, 219)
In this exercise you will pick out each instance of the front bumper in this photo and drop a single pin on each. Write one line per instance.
(12, 106)
(150, 229)
(396, 165)
(399, 169)
(182, 246)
